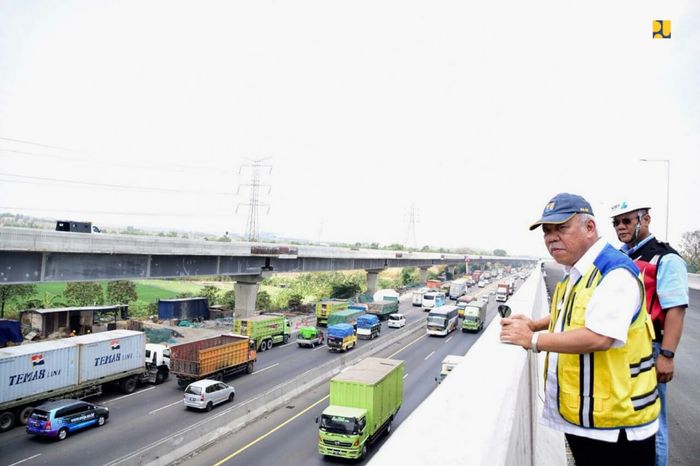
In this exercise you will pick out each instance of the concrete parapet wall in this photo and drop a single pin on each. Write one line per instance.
(485, 412)
(694, 281)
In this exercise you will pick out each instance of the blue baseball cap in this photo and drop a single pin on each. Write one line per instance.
(561, 208)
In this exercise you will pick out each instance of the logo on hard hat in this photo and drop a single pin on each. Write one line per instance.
(550, 206)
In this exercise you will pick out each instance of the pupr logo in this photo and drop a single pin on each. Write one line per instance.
(115, 344)
(661, 29)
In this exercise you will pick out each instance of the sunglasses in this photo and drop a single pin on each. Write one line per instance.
(625, 221)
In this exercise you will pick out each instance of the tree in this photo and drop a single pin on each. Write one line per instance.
(408, 276)
(295, 301)
(344, 290)
(46, 301)
(500, 252)
(263, 301)
(121, 292)
(84, 294)
(395, 247)
(12, 292)
(690, 249)
(229, 299)
(211, 293)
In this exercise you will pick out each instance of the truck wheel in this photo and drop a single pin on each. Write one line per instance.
(23, 414)
(161, 376)
(363, 455)
(7, 420)
(128, 385)
(286, 339)
(182, 383)
(62, 434)
(249, 368)
(219, 377)
(388, 429)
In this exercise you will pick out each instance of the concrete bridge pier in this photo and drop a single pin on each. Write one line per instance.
(423, 275)
(372, 278)
(450, 272)
(246, 289)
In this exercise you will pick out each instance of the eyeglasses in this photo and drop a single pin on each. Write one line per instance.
(625, 221)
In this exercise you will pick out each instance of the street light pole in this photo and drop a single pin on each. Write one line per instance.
(668, 185)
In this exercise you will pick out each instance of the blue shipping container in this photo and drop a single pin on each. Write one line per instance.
(183, 309)
(340, 330)
(367, 321)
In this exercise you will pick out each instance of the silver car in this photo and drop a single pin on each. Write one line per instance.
(204, 394)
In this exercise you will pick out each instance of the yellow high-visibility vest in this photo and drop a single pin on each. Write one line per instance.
(608, 389)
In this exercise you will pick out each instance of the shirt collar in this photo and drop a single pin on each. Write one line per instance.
(585, 262)
(630, 251)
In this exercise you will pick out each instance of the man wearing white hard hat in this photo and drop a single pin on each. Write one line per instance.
(666, 285)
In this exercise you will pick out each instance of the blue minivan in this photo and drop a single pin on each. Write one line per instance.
(58, 418)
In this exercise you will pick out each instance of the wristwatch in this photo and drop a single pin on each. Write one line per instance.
(667, 353)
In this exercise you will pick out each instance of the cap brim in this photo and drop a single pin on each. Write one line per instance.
(557, 219)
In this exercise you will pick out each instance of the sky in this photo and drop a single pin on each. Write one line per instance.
(470, 115)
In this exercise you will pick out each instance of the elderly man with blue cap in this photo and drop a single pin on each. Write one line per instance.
(600, 380)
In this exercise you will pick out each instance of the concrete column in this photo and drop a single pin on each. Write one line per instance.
(372, 278)
(450, 272)
(246, 289)
(423, 274)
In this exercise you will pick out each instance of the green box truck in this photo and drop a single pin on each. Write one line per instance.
(363, 401)
(347, 316)
(265, 330)
(327, 307)
(474, 316)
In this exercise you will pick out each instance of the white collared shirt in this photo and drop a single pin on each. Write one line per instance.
(609, 312)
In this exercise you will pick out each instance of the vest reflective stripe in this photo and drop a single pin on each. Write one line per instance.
(605, 389)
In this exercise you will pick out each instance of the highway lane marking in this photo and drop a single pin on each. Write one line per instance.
(25, 459)
(130, 394)
(265, 368)
(405, 375)
(426, 358)
(264, 436)
(179, 402)
(414, 341)
(448, 340)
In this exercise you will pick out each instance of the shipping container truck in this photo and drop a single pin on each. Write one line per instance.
(75, 367)
(347, 316)
(309, 336)
(212, 358)
(433, 284)
(458, 288)
(368, 327)
(327, 307)
(341, 337)
(382, 309)
(364, 399)
(474, 316)
(264, 330)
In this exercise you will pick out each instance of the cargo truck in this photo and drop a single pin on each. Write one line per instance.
(327, 307)
(212, 358)
(503, 291)
(75, 367)
(382, 309)
(386, 295)
(347, 316)
(364, 399)
(341, 337)
(474, 316)
(309, 336)
(433, 284)
(264, 330)
(458, 288)
(417, 296)
(368, 327)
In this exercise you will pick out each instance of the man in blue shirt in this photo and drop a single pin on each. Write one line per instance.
(666, 284)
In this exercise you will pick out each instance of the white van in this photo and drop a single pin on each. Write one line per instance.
(417, 296)
(433, 299)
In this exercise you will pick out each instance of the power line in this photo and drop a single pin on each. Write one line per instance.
(107, 185)
(170, 168)
(100, 212)
(38, 144)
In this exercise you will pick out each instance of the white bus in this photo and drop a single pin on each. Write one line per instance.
(442, 320)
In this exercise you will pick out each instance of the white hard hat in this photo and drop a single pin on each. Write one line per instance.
(624, 207)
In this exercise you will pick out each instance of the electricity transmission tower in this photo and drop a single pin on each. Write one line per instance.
(253, 228)
(411, 233)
